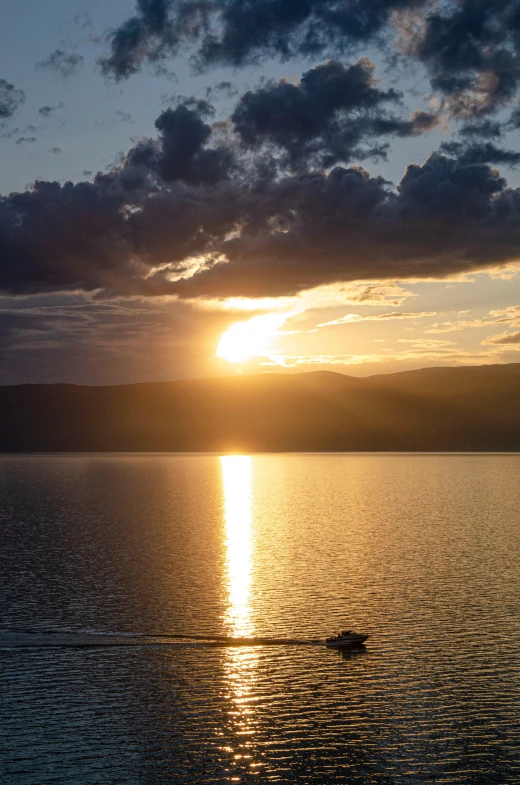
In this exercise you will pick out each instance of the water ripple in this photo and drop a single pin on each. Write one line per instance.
(421, 552)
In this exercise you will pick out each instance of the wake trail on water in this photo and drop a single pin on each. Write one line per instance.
(23, 639)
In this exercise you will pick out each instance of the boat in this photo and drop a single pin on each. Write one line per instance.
(346, 638)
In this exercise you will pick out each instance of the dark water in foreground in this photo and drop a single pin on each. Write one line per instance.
(421, 552)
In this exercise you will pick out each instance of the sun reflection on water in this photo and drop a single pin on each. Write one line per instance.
(240, 669)
(236, 479)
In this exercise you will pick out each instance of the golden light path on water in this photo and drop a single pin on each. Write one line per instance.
(237, 482)
(241, 663)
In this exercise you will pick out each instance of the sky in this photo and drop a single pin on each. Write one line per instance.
(192, 188)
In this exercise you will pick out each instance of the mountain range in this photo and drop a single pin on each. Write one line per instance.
(434, 409)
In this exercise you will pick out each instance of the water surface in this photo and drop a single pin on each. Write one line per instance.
(421, 552)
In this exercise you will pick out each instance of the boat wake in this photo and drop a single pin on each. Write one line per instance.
(24, 639)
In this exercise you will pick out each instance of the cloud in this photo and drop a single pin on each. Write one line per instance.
(425, 343)
(329, 116)
(444, 219)
(469, 50)
(503, 339)
(69, 337)
(356, 317)
(419, 352)
(193, 213)
(483, 129)
(509, 315)
(237, 33)
(64, 64)
(47, 110)
(83, 20)
(19, 132)
(11, 99)
(481, 153)
(314, 301)
(387, 293)
(8, 134)
(146, 37)
(243, 33)
(297, 360)
(448, 354)
(125, 117)
(110, 233)
(56, 150)
(221, 90)
(181, 151)
(451, 327)
(514, 121)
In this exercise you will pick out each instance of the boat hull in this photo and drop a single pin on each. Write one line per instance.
(346, 641)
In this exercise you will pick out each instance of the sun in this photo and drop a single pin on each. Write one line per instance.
(244, 340)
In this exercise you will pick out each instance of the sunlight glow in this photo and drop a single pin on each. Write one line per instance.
(236, 479)
(240, 664)
(244, 340)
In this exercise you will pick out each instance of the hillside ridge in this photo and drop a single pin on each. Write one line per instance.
(470, 408)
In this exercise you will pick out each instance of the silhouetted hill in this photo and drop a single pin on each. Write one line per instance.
(472, 408)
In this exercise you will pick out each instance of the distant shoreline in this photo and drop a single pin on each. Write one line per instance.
(468, 410)
(252, 454)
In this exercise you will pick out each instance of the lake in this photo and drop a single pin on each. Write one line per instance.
(422, 552)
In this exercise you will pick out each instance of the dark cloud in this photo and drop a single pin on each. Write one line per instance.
(56, 150)
(181, 152)
(107, 234)
(482, 129)
(148, 36)
(444, 218)
(471, 50)
(57, 237)
(193, 202)
(481, 153)
(11, 99)
(47, 110)
(16, 324)
(71, 338)
(238, 32)
(64, 64)
(514, 121)
(25, 322)
(26, 140)
(329, 116)
(221, 90)
(243, 32)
